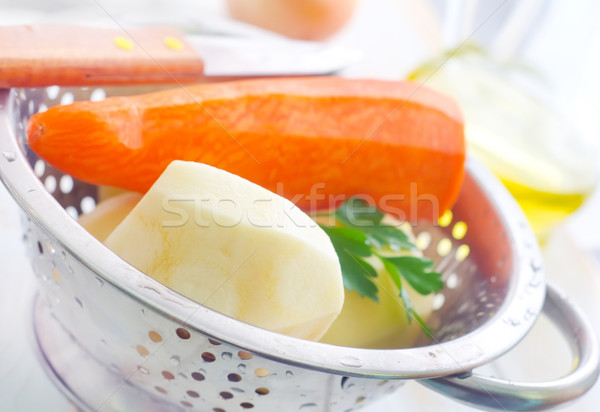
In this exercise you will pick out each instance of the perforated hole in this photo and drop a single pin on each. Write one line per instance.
(462, 252)
(198, 376)
(167, 375)
(67, 98)
(423, 240)
(234, 377)
(50, 184)
(261, 372)
(245, 355)
(187, 404)
(155, 336)
(452, 281)
(98, 94)
(72, 211)
(214, 342)
(52, 92)
(56, 275)
(444, 247)
(50, 247)
(208, 357)
(459, 230)
(219, 410)
(161, 390)
(262, 391)
(226, 395)
(88, 204)
(246, 405)
(183, 333)
(445, 219)
(193, 394)
(66, 184)
(142, 350)
(438, 301)
(39, 168)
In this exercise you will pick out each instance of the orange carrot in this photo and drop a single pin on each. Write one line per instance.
(315, 141)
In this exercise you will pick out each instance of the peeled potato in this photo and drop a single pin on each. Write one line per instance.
(361, 323)
(365, 323)
(108, 214)
(235, 247)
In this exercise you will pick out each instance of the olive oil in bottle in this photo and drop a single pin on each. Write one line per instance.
(533, 149)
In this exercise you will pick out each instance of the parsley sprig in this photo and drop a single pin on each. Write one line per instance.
(361, 235)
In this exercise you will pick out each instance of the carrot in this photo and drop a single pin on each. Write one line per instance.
(315, 141)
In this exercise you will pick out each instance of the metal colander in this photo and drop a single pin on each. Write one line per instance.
(116, 340)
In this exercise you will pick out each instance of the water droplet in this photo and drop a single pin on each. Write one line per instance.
(351, 362)
(536, 264)
(143, 312)
(513, 321)
(100, 282)
(175, 360)
(289, 374)
(242, 368)
(226, 355)
(10, 156)
(143, 370)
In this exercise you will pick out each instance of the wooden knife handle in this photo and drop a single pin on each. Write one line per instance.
(45, 55)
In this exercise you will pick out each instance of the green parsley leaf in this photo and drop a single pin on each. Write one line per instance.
(357, 213)
(351, 246)
(416, 272)
(361, 234)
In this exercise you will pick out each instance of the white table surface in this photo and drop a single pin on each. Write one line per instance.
(570, 260)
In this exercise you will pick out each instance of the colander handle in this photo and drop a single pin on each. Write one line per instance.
(499, 394)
